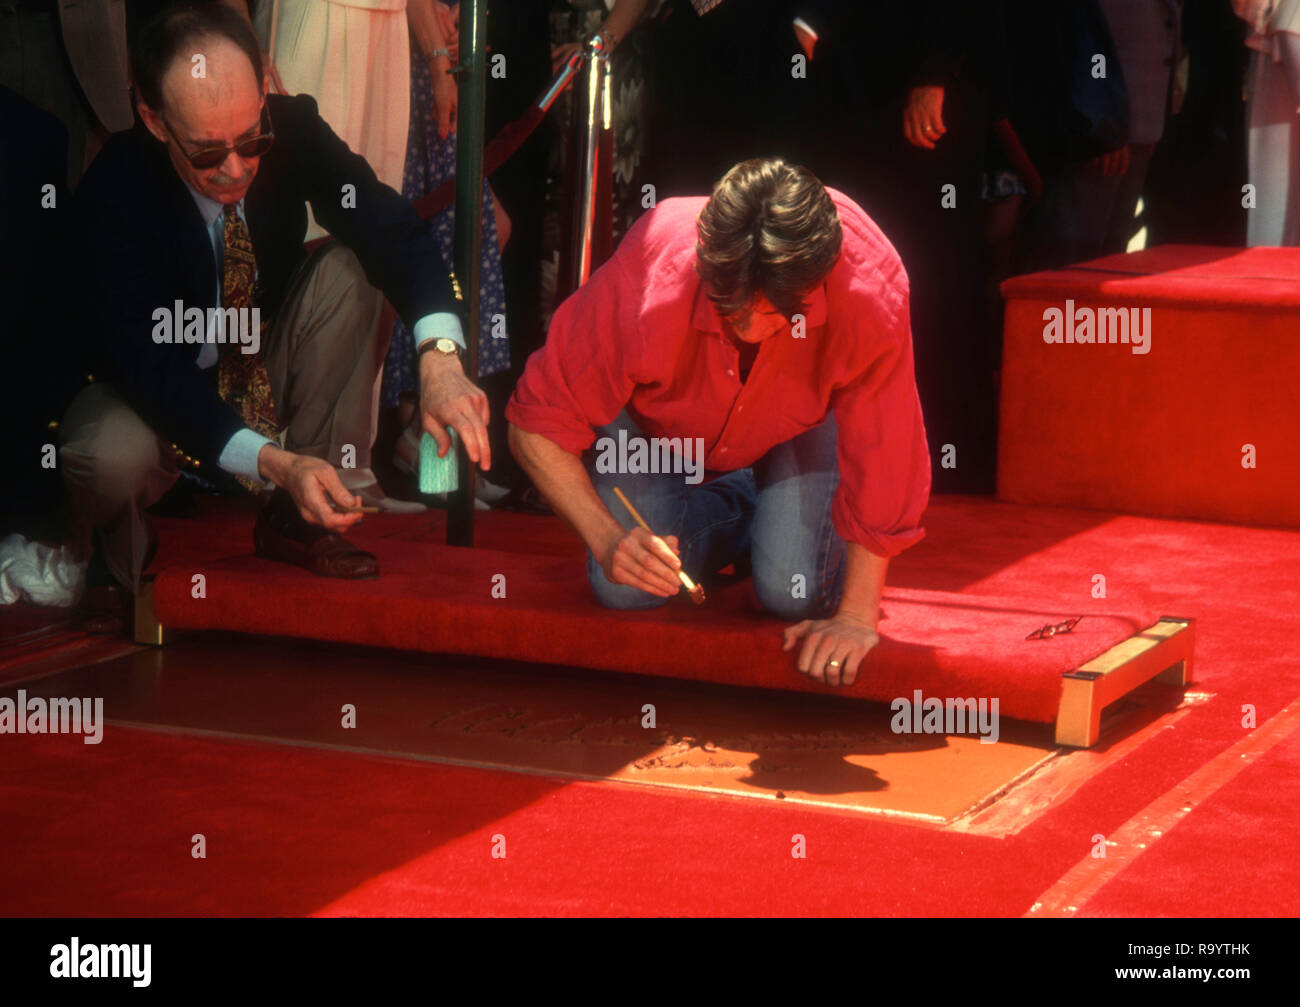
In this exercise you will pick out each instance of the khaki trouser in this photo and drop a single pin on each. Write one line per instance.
(323, 354)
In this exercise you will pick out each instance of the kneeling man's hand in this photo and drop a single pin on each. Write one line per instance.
(449, 399)
(841, 639)
(643, 560)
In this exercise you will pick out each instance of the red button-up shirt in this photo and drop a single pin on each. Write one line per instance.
(643, 334)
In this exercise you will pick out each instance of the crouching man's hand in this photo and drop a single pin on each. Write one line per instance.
(314, 485)
(832, 648)
(449, 399)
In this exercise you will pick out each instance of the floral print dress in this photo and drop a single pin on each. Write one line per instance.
(429, 162)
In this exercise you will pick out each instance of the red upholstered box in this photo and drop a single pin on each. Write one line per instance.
(1163, 432)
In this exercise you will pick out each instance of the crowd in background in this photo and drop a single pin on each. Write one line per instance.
(985, 137)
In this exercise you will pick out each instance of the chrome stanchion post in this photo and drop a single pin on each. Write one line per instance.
(591, 163)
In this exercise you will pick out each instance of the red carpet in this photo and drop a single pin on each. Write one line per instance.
(292, 831)
(1242, 824)
(300, 831)
(1164, 432)
(950, 627)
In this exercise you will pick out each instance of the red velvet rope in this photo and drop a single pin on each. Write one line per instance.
(503, 145)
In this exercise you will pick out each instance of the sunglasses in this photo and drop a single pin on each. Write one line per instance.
(211, 157)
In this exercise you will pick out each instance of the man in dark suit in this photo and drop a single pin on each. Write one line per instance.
(192, 226)
(903, 118)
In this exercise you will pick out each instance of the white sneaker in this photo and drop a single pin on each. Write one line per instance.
(489, 492)
(44, 575)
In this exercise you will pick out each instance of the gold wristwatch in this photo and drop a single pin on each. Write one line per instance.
(447, 347)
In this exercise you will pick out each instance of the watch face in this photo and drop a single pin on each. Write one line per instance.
(445, 345)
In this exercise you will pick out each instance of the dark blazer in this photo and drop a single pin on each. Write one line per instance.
(144, 246)
(1060, 112)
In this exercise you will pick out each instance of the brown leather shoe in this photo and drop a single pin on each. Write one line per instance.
(282, 534)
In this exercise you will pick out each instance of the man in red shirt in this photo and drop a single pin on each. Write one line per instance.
(765, 331)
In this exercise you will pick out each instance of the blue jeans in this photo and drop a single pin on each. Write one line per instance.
(773, 518)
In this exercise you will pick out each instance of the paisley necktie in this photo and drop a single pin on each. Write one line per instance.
(241, 377)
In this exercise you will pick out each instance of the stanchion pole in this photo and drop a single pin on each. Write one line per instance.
(590, 209)
(471, 83)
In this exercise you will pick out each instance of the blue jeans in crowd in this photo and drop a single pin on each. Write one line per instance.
(773, 518)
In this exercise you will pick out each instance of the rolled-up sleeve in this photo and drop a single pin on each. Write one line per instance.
(585, 374)
(884, 459)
